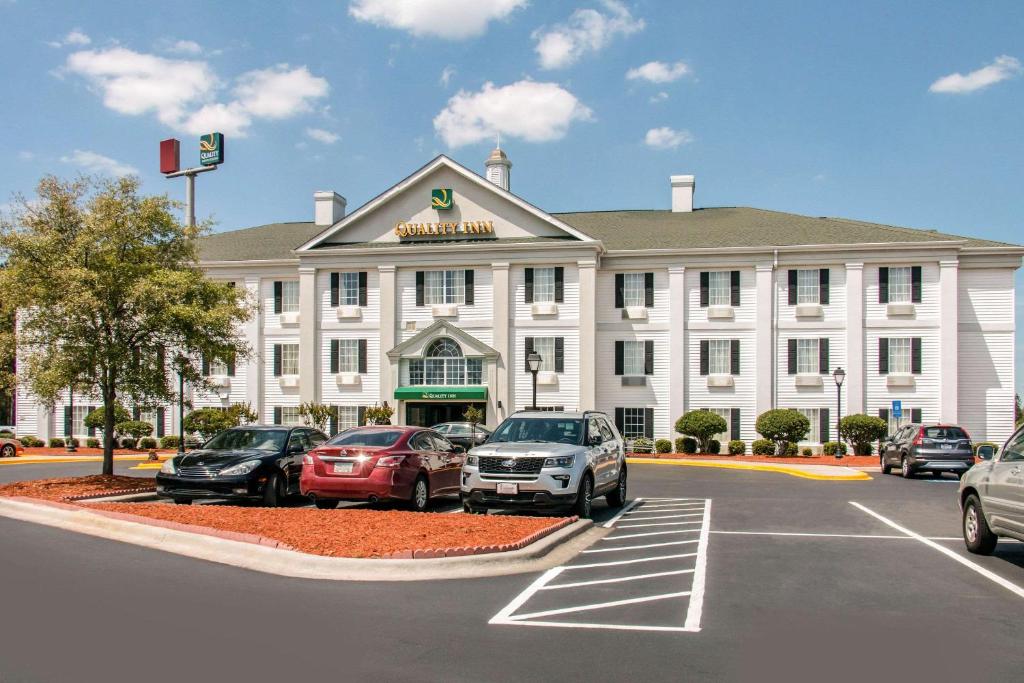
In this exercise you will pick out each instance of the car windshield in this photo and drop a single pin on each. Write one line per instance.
(539, 430)
(944, 433)
(367, 437)
(244, 439)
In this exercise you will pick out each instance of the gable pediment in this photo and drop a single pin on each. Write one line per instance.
(414, 346)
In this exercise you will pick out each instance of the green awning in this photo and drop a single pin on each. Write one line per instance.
(427, 393)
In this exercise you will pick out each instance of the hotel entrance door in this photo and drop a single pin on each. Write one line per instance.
(429, 414)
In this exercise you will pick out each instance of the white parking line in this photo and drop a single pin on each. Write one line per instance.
(652, 533)
(611, 522)
(639, 547)
(648, 506)
(644, 519)
(645, 511)
(599, 605)
(694, 611)
(637, 526)
(621, 579)
(621, 562)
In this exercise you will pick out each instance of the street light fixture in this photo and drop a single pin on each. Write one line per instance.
(533, 361)
(839, 375)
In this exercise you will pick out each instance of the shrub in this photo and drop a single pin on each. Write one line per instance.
(56, 443)
(663, 446)
(861, 430)
(147, 443)
(128, 442)
(381, 415)
(134, 428)
(701, 425)
(170, 441)
(737, 447)
(74, 442)
(29, 441)
(316, 415)
(783, 426)
(242, 414)
(834, 448)
(6, 434)
(763, 447)
(689, 445)
(806, 452)
(643, 445)
(208, 421)
(94, 419)
(679, 444)
(714, 447)
(791, 449)
(92, 442)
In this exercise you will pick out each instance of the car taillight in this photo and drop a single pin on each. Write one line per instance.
(391, 461)
(919, 439)
(307, 459)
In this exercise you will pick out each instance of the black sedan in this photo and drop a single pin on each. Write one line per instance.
(462, 433)
(260, 463)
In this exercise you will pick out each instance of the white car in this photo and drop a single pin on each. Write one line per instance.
(992, 497)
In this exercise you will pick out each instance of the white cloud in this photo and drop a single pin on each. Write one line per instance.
(658, 72)
(535, 112)
(658, 97)
(182, 94)
(446, 75)
(324, 136)
(450, 19)
(74, 37)
(667, 138)
(1002, 68)
(26, 155)
(587, 30)
(97, 163)
(183, 47)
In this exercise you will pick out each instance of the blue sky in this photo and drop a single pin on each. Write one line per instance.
(904, 113)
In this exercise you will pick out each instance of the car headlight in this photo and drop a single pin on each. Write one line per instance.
(563, 461)
(240, 469)
(471, 460)
(168, 467)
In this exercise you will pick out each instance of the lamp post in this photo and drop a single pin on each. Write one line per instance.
(533, 361)
(181, 406)
(839, 375)
(70, 445)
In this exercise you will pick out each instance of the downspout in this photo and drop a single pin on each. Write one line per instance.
(775, 329)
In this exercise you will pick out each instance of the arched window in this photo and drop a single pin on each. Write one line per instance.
(443, 364)
(443, 348)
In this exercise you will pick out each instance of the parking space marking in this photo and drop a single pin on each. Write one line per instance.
(639, 547)
(655, 533)
(600, 605)
(644, 519)
(611, 522)
(621, 562)
(621, 579)
(637, 526)
(991, 576)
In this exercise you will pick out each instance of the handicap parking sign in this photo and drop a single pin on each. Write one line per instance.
(897, 409)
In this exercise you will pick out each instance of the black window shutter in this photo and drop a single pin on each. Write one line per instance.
(823, 425)
(915, 415)
(161, 416)
(649, 357)
(823, 355)
(620, 419)
(559, 284)
(823, 286)
(277, 415)
(361, 415)
(335, 352)
(161, 358)
(419, 287)
(883, 285)
(469, 287)
(792, 287)
(915, 355)
(734, 426)
(735, 288)
(791, 367)
(734, 368)
(619, 357)
(705, 286)
(206, 366)
(884, 414)
(277, 360)
(527, 350)
(91, 430)
(231, 366)
(649, 290)
(559, 354)
(883, 356)
(704, 359)
(620, 285)
(335, 289)
(278, 288)
(529, 286)
(649, 423)
(915, 284)
(67, 420)
(362, 357)
(332, 421)
(362, 288)
(136, 413)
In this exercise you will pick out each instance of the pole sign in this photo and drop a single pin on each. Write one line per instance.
(170, 156)
(211, 149)
(897, 409)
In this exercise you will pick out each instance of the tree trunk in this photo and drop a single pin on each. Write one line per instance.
(109, 414)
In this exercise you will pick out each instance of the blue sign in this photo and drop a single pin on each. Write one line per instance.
(897, 409)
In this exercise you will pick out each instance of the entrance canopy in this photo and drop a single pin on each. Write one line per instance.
(436, 393)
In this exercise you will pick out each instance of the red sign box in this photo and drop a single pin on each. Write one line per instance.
(170, 158)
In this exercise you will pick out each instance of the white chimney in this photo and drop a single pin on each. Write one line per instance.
(329, 207)
(682, 193)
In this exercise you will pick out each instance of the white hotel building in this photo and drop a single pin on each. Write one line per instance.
(642, 314)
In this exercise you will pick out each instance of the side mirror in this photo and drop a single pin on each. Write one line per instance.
(986, 451)
(458, 449)
(295, 448)
(594, 441)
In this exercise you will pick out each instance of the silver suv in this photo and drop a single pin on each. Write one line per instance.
(539, 459)
(992, 497)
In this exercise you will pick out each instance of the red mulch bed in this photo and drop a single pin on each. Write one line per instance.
(73, 487)
(845, 461)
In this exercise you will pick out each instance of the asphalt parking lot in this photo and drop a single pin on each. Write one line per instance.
(793, 581)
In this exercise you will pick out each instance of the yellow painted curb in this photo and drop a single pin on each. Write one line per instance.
(856, 475)
(22, 460)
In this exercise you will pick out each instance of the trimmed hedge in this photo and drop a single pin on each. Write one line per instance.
(643, 445)
(714, 447)
(128, 442)
(689, 445)
(763, 447)
(833, 448)
(147, 443)
(663, 446)
(56, 443)
(806, 452)
(861, 430)
(29, 441)
(170, 441)
(92, 442)
(737, 447)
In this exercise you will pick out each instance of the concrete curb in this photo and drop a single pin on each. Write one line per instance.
(551, 551)
(815, 472)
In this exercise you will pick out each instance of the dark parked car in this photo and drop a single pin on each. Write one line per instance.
(462, 434)
(934, 448)
(261, 463)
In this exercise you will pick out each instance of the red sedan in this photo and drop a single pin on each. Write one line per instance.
(380, 463)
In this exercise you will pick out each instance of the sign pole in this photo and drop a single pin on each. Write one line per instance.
(190, 190)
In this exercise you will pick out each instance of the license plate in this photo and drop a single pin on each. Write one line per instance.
(343, 468)
(508, 489)
(947, 446)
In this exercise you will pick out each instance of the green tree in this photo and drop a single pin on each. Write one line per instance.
(208, 421)
(242, 414)
(316, 415)
(95, 418)
(104, 280)
(379, 415)
(783, 426)
(861, 430)
(1018, 410)
(702, 425)
(134, 428)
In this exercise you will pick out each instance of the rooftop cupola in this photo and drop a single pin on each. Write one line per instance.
(499, 168)
(682, 193)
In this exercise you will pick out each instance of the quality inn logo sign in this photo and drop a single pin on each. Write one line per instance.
(211, 149)
(441, 198)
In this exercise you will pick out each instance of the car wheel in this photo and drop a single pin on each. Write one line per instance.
(7, 451)
(584, 498)
(617, 498)
(886, 467)
(420, 495)
(322, 504)
(273, 491)
(977, 536)
(905, 469)
(182, 501)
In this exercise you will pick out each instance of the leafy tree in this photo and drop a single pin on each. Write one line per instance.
(242, 414)
(208, 421)
(474, 416)
(379, 415)
(861, 430)
(1018, 410)
(783, 426)
(701, 425)
(95, 418)
(316, 415)
(103, 281)
(134, 428)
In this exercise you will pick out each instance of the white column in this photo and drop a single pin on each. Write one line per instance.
(853, 389)
(676, 344)
(949, 323)
(764, 354)
(502, 344)
(388, 321)
(253, 331)
(588, 333)
(309, 337)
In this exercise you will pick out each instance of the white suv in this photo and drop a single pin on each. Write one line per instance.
(539, 459)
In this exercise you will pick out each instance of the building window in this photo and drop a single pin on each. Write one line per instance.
(444, 365)
(900, 356)
(474, 371)
(290, 416)
(807, 359)
(634, 290)
(348, 417)
(218, 368)
(726, 436)
(900, 285)
(444, 287)
(632, 423)
(813, 415)
(416, 372)
(545, 346)
(544, 285)
(720, 288)
(633, 358)
(348, 289)
(78, 414)
(348, 355)
(289, 359)
(719, 357)
(808, 287)
(290, 296)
